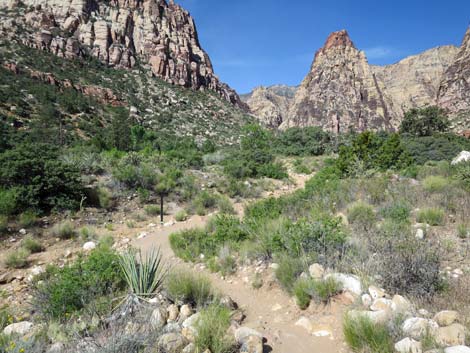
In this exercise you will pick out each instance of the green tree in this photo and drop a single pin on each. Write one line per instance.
(165, 185)
(425, 121)
(121, 130)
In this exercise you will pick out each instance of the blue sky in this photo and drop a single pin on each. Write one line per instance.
(265, 42)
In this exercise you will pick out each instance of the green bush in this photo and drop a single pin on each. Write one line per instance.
(9, 201)
(431, 216)
(17, 258)
(288, 271)
(40, 179)
(105, 198)
(63, 230)
(190, 244)
(463, 231)
(301, 292)
(307, 141)
(152, 210)
(181, 216)
(397, 211)
(324, 290)
(32, 245)
(362, 215)
(62, 291)
(435, 183)
(425, 121)
(87, 233)
(203, 201)
(27, 219)
(3, 224)
(363, 335)
(225, 205)
(185, 287)
(212, 327)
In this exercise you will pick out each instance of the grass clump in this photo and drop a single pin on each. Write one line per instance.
(152, 210)
(87, 233)
(181, 216)
(301, 292)
(3, 224)
(17, 258)
(463, 231)
(225, 205)
(27, 219)
(320, 290)
(397, 212)
(212, 327)
(431, 216)
(435, 183)
(363, 335)
(64, 230)
(185, 287)
(144, 274)
(361, 214)
(288, 271)
(32, 245)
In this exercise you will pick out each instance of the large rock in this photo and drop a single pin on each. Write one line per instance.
(416, 327)
(348, 282)
(463, 156)
(408, 345)
(400, 304)
(452, 335)
(172, 342)
(446, 317)
(19, 328)
(243, 333)
(378, 317)
(457, 349)
(252, 344)
(316, 271)
(159, 318)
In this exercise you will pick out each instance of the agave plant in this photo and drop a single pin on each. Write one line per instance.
(144, 274)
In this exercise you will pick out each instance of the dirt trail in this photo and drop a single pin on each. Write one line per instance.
(268, 309)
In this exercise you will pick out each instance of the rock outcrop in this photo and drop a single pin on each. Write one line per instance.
(121, 33)
(454, 90)
(271, 104)
(414, 81)
(341, 91)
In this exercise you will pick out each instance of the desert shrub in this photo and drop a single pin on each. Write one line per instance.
(398, 211)
(212, 327)
(425, 121)
(17, 258)
(409, 266)
(144, 274)
(273, 170)
(324, 290)
(224, 263)
(288, 271)
(152, 210)
(185, 287)
(190, 244)
(27, 219)
(432, 216)
(300, 167)
(225, 229)
(9, 199)
(361, 215)
(301, 292)
(225, 205)
(181, 216)
(41, 181)
(71, 288)
(363, 335)
(87, 233)
(3, 224)
(435, 184)
(203, 201)
(463, 231)
(214, 158)
(105, 198)
(63, 230)
(32, 245)
(461, 172)
(307, 141)
(376, 189)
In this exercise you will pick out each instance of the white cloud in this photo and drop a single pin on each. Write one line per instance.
(380, 52)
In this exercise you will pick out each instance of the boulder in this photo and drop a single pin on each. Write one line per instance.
(416, 327)
(190, 348)
(452, 335)
(408, 345)
(381, 304)
(173, 312)
(172, 342)
(348, 282)
(446, 317)
(88, 246)
(191, 321)
(366, 300)
(378, 317)
(57, 347)
(228, 303)
(376, 292)
(457, 349)
(400, 304)
(242, 334)
(252, 344)
(19, 328)
(463, 156)
(185, 312)
(316, 271)
(419, 234)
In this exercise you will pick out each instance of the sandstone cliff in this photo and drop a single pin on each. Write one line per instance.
(341, 91)
(454, 90)
(271, 104)
(121, 33)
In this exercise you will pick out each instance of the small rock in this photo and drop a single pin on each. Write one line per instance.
(446, 317)
(348, 282)
(185, 312)
(305, 323)
(424, 313)
(190, 348)
(159, 318)
(378, 317)
(463, 156)
(142, 235)
(172, 342)
(452, 335)
(57, 347)
(408, 345)
(316, 271)
(400, 304)
(172, 327)
(242, 333)
(19, 328)
(252, 344)
(366, 300)
(274, 266)
(457, 349)
(191, 321)
(173, 312)
(22, 231)
(419, 234)
(276, 307)
(228, 303)
(381, 304)
(88, 246)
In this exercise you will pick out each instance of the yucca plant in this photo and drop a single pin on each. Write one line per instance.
(144, 274)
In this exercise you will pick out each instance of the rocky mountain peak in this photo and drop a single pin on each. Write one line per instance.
(338, 39)
(156, 34)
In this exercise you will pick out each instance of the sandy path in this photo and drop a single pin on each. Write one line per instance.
(268, 309)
